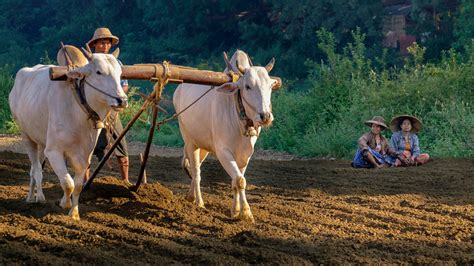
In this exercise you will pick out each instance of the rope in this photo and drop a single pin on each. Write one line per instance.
(99, 90)
(235, 77)
(164, 121)
(161, 82)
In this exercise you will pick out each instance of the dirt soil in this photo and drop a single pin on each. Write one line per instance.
(306, 211)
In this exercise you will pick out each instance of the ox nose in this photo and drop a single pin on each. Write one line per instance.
(265, 116)
(122, 101)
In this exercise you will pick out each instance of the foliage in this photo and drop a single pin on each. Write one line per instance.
(328, 119)
(464, 25)
(334, 79)
(6, 83)
(434, 25)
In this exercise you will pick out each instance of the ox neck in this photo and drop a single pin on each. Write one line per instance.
(246, 125)
(94, 111)
(96, 106)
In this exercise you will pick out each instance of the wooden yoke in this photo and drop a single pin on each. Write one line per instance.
(177, 74)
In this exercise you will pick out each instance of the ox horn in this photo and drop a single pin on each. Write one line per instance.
(227, 62)
(87, 53)
(241, 69)
(116, 52)
(270, 64)
(250, 60)
(88, 48)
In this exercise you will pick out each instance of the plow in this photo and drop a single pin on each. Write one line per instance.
(160, 74)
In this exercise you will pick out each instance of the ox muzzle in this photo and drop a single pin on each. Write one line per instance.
(120, 103)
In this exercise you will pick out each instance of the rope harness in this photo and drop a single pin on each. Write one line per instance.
(249, 126)
(164, 121)
(80, 96)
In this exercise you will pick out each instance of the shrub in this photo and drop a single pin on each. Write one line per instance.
(345, 90)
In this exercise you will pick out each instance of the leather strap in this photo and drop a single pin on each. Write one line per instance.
(80, 96)
(249, 127)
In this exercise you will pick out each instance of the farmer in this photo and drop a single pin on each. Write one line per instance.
(405, 141)
(101, 42)
(373, 150)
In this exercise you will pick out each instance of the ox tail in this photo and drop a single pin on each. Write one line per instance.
(186, 165)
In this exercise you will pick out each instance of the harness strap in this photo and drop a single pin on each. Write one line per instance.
(180, 112)
(97, 89)
(249, 126)
(80, 96)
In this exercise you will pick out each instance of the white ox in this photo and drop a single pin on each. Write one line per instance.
(54, 125)
(213, 125)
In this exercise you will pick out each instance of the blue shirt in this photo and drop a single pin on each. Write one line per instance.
(123, 82)
(398, 143)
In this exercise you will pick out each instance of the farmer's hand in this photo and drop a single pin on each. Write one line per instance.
(364, 153)
(404, 160)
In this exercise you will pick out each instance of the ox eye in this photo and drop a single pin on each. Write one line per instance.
(247, 87)
(98, 72)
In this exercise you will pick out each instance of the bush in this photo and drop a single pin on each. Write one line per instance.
(6, 84)
(346, 90)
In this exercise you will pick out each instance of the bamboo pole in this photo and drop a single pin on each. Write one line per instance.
(177, 74)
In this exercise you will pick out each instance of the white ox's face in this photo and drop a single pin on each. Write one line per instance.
(256, 90)
(255, 86)
(103, 72)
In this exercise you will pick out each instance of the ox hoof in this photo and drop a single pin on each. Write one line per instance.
(31, 199)
(74, 214)
(234, 214)
(190, 198)
(65, 203)
(40, 198)
(247, 216)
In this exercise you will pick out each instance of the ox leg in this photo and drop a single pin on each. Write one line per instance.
(194, 194)
(58, 163)
(41, 156)
(235, 210)
(200, 156)
(79, 165)
(36, 174)
(240, 207)
(187, 166)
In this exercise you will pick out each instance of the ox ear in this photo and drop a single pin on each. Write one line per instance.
(228, 88)
(116, 52)
(74, 74)
(275, 84)
(78, 73)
